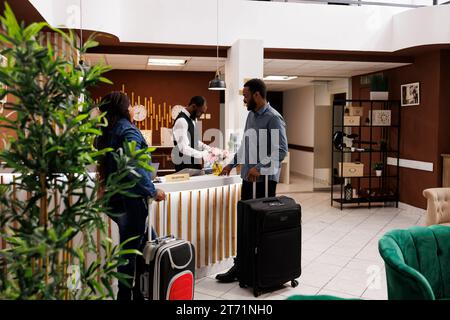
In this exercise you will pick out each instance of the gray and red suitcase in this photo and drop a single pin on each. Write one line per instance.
(168, 267)
(269, 242)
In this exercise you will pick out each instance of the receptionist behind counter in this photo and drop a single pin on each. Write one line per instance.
(189, 151)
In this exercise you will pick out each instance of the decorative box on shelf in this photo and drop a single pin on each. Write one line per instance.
(379, 95)
(355, 111)
(352, 120)
(381, 117)
(351, 169)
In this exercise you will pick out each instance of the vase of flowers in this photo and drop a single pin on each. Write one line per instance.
(216, 159)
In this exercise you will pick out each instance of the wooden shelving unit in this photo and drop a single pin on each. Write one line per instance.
(370, 189)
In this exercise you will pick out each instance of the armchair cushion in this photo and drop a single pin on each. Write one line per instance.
(417, 262)
(438, 206)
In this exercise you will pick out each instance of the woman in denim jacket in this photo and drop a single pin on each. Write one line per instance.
(131, 212)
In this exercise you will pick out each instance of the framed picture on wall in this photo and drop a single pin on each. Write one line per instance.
(410, 94)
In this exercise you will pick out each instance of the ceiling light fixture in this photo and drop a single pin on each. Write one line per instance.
(279, 78)
(166, 62)
(217, 83)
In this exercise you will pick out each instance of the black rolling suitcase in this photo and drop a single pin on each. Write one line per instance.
(269, 242)
(167, 267)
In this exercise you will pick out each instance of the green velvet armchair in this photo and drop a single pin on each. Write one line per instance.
(417, 262)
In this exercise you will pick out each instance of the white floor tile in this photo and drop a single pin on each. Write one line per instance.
(214, 288)
(315, 279)
(274, 296)
(310, 254)
(343, 251)
(365, 265)
(238, 293)
(302, 289)
(334, 293)
(333, 259)
(201, 296)
(339, 251)
(322, 269)
(352, 287)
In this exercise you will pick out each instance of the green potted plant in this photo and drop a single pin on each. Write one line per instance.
(383, 145)
(51, 115)
(378, 167)
(379, 87)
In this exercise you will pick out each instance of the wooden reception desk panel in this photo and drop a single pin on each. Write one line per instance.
(202, 210)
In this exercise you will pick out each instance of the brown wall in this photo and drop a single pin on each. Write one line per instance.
(171, 87)
(424, 128)
(444, 111)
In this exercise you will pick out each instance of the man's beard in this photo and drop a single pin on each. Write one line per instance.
(251, 105)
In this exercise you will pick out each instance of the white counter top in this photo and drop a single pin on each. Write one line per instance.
(198, 182)
(194, 183)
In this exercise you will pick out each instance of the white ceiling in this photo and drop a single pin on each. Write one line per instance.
(306, 70)
(139, 62)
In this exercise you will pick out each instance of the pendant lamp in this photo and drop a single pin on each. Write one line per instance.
(217, 83)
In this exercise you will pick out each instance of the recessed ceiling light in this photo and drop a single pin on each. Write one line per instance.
(166, 62)
(279, 78)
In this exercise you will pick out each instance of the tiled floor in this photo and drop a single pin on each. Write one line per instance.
(339, 251)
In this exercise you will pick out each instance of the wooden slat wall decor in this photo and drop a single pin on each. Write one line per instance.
(233, 221)
(221, 224)
(212, 229)
(158, 114)
(180, 218)
(207, 228)
(214, 223)
(227, 223)
(199, 212)
(190, 217)
(168, 216)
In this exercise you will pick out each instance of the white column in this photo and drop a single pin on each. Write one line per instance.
(245, 61)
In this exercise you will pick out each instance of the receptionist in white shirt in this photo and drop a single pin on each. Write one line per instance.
(189, 151)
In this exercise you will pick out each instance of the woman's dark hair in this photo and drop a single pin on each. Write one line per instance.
(257, 85)
(198, 101)
(116, 105)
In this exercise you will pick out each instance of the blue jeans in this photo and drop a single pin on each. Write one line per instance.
(131, 221)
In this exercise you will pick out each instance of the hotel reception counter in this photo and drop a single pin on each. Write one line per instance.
(201, 210)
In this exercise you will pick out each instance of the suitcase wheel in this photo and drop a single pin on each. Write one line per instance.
(294, 283)
(256, 293)
(242, 285)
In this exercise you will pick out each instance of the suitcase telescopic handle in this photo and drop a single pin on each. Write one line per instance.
(266, 187)
(149, 206)
(149, 221)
